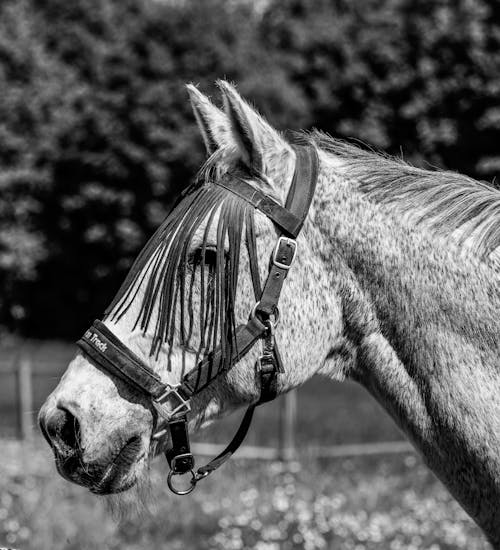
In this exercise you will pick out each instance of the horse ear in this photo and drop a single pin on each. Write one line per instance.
(259, 144)
(212, 122)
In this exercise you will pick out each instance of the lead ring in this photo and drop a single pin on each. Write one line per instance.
(177, 491)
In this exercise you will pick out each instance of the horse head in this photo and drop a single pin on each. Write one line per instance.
(194, 283)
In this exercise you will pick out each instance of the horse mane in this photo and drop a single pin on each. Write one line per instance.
(451, 204)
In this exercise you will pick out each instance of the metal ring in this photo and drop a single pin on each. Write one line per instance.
(181, 492)
(276, 314)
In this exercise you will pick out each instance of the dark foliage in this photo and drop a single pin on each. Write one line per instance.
(98, 140)
(97, 136)
(422, 78)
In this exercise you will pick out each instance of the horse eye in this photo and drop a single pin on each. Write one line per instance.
(210, 255)
(210, 258)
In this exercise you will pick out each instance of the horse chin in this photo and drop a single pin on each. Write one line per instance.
(119, 483)
(119, 475)
(122, 473)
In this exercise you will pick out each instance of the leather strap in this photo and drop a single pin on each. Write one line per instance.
(268, 368)
(281, 261)
(291, 217)
(246, 336)
(287, 221)
(106, 350)
(232, 447)
(179, 456)
(101, 345)
(303, 186)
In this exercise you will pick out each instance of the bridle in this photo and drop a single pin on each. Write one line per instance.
(172, 403)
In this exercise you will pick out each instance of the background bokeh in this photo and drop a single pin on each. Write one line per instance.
(97, 137)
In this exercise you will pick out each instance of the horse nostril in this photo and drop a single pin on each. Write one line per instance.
(70, 432)
(62, 428)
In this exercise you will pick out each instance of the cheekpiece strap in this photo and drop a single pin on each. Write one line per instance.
(303, 186)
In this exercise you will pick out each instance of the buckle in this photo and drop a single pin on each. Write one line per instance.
(265, 364)
(284, 241)
(182, 408)
(183, 463)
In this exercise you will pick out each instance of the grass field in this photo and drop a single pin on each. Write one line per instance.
(383, 502)
(370, 503)
(379, 502)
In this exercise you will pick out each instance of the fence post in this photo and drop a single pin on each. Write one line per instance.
(25, 397)
(288, 418)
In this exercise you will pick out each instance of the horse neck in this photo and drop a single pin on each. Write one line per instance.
(413, 279)
(431, 354)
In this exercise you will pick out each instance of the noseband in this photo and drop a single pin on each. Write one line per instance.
(172, 403)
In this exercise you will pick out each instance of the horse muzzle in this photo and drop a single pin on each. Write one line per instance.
(106, 475)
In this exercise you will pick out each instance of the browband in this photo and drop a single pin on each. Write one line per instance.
(291, 217)
(289, 223)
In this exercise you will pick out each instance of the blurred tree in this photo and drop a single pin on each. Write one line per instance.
(110, 142)
(37, 91)
(97, 137)
(418, 77)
